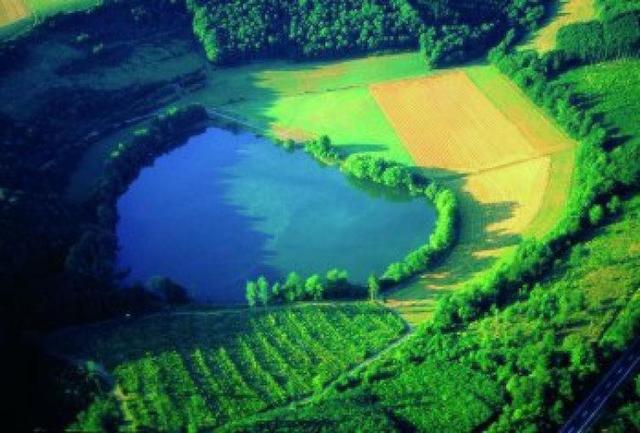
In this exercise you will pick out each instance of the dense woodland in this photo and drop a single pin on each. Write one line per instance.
(233, 31)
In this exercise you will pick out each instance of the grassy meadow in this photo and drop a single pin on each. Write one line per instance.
(201, 369)
(12, 11)
(41, 9)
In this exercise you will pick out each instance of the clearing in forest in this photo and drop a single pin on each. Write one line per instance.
(473, 128)
(569, 12)
(12, 11)
(508, 163)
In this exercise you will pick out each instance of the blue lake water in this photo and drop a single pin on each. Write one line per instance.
(225, 208)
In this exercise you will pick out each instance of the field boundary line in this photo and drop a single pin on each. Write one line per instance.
(461, 175)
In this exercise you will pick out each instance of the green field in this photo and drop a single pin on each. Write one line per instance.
(300, 117)
(289, 100)
(203, 369)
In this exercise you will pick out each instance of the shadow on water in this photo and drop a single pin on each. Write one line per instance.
(176, 222)
(221, 210)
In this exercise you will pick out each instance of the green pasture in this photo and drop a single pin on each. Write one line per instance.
(351, 117)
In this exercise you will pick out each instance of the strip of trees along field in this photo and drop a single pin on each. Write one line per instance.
(448, 31)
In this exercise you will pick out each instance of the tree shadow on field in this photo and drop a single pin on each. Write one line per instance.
(349, 149)
(482, 240)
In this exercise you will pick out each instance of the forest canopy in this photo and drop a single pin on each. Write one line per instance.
(233, 31)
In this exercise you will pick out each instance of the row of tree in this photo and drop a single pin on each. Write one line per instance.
(595, 41)
(334, 285)
(91, 259)
(476, 28)
(394, 175)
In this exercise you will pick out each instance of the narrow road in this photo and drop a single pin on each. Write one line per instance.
(588, 411)
(354, 369)
(217, 114)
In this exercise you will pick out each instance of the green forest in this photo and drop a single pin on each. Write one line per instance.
(96, 97)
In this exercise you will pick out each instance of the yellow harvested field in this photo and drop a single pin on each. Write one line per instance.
(556, 193)
(532, 122)
(508, 164)
(448, 124)
(505, 201)
(569, 12)
(12, 10)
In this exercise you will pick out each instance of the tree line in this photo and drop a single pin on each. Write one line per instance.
(594, 41)
(91, 260)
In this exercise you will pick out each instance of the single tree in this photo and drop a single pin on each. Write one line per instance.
(313, 287)
(251, 293)
(263, 290)
(373, 285)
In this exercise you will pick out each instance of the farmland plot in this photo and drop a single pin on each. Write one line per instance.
(509, 165)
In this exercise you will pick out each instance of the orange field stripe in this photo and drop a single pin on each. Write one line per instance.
(447, 123)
